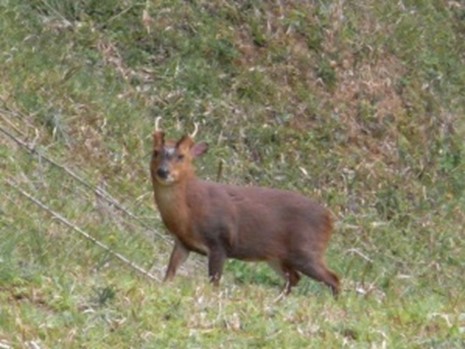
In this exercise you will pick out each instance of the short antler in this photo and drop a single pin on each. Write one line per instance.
(196, 128)
(157, 124)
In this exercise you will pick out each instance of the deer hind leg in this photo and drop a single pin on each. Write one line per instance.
(317, 270)
(216, 259)
(291, 276)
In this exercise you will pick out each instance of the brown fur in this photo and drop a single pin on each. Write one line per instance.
(283, 228)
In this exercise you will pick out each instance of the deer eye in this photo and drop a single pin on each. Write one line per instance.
(180, 157)
(155, 153)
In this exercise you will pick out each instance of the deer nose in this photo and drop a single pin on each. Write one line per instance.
(162, 173)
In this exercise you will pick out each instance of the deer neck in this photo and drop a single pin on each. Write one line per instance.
(172, 204)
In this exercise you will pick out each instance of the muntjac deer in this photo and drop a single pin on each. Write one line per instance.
(221, 221)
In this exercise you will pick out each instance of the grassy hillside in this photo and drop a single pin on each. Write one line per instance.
(359, 105)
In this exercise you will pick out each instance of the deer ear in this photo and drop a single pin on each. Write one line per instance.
(185, 144)
(158, 139)
(198, 149)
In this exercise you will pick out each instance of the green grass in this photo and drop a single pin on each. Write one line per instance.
(359, 106)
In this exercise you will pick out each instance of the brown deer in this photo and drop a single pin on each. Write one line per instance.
(248, 223)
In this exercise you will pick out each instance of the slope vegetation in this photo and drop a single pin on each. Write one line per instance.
(359, 105)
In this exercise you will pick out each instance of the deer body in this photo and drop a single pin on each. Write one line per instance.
(283, 228)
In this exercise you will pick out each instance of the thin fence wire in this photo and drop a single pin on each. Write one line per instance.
(83, 233)
(102, 194)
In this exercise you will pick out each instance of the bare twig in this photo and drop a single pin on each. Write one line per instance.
(87, 236)
(357, 252)
(219, 172)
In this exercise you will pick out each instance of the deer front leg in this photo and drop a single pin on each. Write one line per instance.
(216, 259)
(178, 257)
